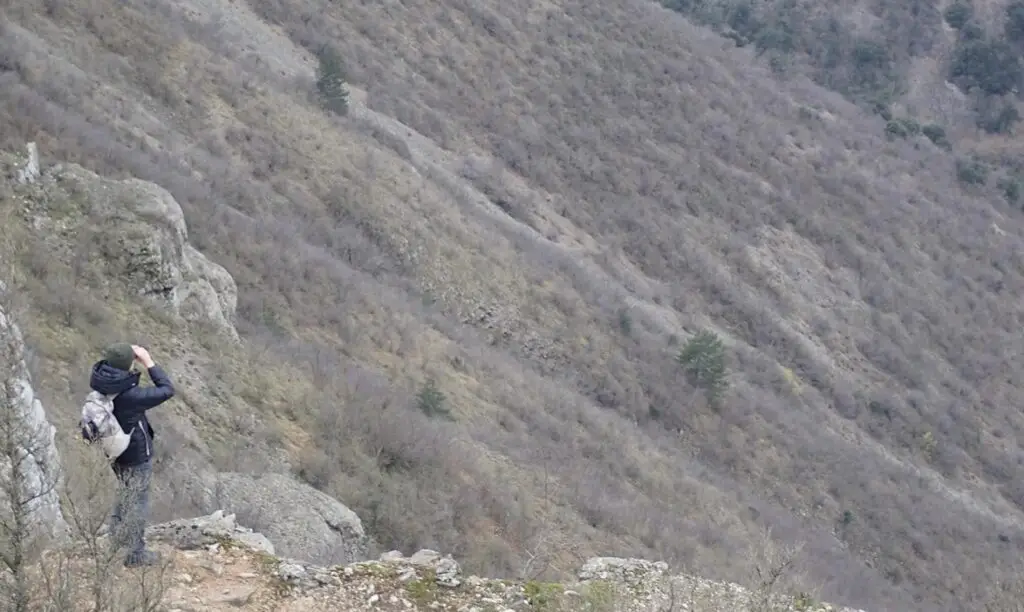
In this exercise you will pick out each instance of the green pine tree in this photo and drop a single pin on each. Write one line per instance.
(330, 81)
(703, 360)
(431, 400)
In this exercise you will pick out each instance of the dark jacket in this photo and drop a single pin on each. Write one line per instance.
(131, 405)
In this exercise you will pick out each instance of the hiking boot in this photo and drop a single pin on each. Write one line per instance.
(145, 558)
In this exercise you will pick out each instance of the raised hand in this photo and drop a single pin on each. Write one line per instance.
(143, 356)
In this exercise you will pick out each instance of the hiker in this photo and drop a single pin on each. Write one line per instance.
(114, 375)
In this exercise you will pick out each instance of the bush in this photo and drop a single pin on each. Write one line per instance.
(703, 360)
(882, 109)
(937, 134)
(431, 400)
(902, 128)
(1011, 189)
(958, 14)
(330, 81)
(971, 172)
(989, 65)
(972, 31)
(1014, 26)
(998, 121)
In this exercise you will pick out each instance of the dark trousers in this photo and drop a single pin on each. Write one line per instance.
(131, 509)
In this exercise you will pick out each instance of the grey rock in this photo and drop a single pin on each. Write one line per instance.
(139, 231)
(306, 577)
(303, 523)
(425, 557)
(29, 173)
(237, 596)
(205, 531)
(446, 570)
(35, 434)
(391, 555)
(626, 571)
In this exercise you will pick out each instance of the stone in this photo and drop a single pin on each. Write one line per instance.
(301, 522)
(446, 570)
(208, 532)
(235, 596)
(29, 173)
(627, 571)
(43, 468)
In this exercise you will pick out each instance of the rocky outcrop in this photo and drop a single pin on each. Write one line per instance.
(24, 423)
(149, 249)
(219, 572)
(137, 230)
(208, 531)
(300, 521)
(29, 172)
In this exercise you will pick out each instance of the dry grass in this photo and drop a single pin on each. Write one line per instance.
(649, 171)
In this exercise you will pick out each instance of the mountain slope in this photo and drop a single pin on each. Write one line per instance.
(950, 70)
(658, 182)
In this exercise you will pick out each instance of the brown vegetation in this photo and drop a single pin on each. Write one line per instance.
(661, 184)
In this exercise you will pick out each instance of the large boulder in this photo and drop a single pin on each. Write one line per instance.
(302, 523)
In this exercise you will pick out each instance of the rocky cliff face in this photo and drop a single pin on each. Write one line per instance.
(27, 438)
(128, 231)
(219, 565)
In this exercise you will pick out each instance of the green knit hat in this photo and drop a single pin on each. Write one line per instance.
(120, 355)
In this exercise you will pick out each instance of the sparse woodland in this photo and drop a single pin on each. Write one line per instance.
(507, 383)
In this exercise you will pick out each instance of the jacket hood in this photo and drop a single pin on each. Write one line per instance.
(109, 380)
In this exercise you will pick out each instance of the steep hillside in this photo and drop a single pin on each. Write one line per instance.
(950, 70)
(459, 306)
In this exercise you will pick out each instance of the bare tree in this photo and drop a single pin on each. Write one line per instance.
(539, 553)
(776, 575)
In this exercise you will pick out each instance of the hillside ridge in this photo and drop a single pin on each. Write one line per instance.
(221, 565)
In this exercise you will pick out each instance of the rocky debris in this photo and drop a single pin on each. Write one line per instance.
(445, 569)
(28, 421)
(627, 571)
(206, 532)
(302, 522)
(134, 232)
(217, 572)
(425, 564)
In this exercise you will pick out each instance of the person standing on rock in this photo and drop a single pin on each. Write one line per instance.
(114, 375)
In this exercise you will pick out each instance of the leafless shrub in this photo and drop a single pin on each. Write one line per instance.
(776, 574)
(89, 570)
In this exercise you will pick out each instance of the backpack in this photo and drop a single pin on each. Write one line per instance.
(99, 424)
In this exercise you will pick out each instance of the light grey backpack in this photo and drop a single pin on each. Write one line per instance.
(99, 424)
